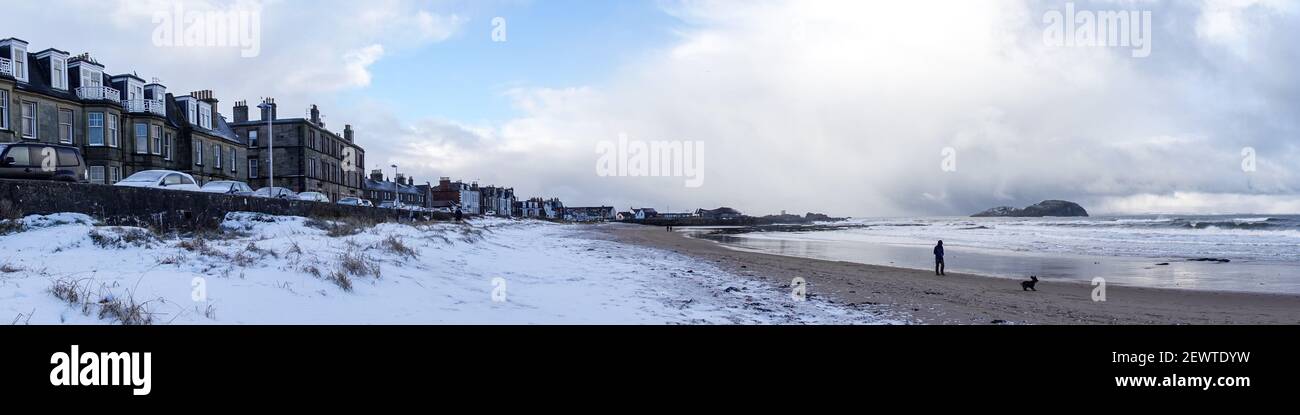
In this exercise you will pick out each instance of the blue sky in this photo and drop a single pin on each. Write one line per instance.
(555, 44)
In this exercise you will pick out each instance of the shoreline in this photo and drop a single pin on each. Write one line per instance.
(961, 298)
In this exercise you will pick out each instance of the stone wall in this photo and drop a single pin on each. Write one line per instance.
(167, 209)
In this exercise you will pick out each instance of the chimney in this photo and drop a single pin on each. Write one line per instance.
(206, 96)
(410, 181)
(444, 183)
(269, 114)
(377, 175)
(401, 178)
(347, 132)
(315, 115)
(240, 111)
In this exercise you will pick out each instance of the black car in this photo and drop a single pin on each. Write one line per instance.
(41, 161)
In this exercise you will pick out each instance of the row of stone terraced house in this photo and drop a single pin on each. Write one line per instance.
(124, 124)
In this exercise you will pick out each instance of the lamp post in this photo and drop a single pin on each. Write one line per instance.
(397, 190)
(266, 106)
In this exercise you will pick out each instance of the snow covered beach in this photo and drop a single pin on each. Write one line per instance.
(261, 269)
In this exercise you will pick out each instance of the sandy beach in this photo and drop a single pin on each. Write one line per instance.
(959, 298)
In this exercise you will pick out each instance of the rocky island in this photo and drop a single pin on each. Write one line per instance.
(1056, 208)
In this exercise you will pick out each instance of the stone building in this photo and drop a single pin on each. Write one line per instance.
(308, 157)
(122, 123)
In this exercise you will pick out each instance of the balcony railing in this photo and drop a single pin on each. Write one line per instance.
(99, 93)
(146, 105)
(6, 67)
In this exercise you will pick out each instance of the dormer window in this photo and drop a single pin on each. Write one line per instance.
(205, 115)
(91, 77)
(193, 109)
(59, 73)
(20, 61)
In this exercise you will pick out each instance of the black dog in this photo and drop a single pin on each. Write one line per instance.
(1029, 285)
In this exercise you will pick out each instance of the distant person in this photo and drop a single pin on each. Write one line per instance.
(938, 259)
(458, 215)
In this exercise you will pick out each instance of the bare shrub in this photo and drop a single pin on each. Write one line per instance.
(394, 244)
(341, 279)
(347, 226)
(126, 312)
(358, 264)
(122, 238)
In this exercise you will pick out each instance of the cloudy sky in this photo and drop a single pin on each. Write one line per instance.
(828, 106)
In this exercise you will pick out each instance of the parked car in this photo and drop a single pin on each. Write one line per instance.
(275, 193)
(490, 213)
(39, 161)
(229, 187)
(355, 201)
(390, 204)
(314, 197)
(160, 179)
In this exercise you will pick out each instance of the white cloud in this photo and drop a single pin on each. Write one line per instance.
(844, 107)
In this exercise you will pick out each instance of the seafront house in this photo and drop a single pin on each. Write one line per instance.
(464, 195)
(540, 208)
(308, 157)
(122, 123)
(499, 200)
(379, 190)
(644, 213)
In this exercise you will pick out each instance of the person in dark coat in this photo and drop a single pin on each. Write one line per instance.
(458, 215)
(938, 259)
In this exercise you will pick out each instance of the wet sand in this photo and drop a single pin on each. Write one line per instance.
(972, 299)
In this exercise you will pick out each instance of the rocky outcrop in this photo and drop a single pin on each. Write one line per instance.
(1055, 208)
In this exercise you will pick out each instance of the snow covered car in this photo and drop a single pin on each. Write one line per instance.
(389, 204)
(229, 187)
(314, 197)
(275, 193)
(355, 201)
(160, 179)
(490, 213)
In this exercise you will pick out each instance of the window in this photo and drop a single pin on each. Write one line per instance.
(157, 139)
(141, 138)
(216, 156)
(95, 174)
(173, 179)
(20, 62)
(22, 155)
(91, 77)
(167, 146)
(252, 138)
(58, 68)
(115, 174)
(95, 129)
(68, 157)
(4, 109)
(112, 130)
(234, 165)
(252, 168)
(65, 126)
(198, 153)
(193, 110)
(205, 116)
(29, 119)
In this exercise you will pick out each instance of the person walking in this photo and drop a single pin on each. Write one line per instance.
(938, 259)
(458, 215)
